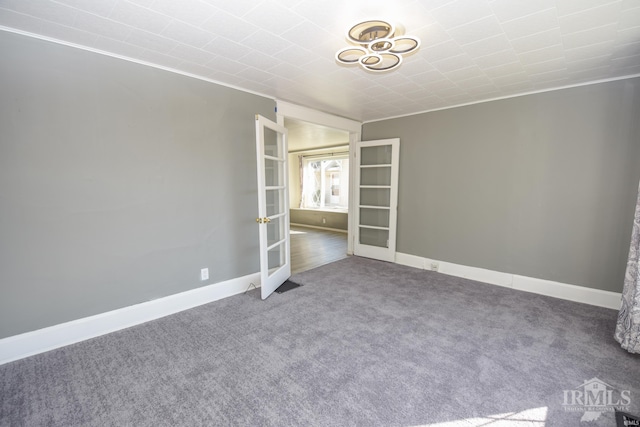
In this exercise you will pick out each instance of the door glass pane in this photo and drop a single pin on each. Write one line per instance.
(374, 217)
(276, 258)
(375, 196)
(275, 202)
(271, 142)
(273, 173)
(374, 237)
(378, 155)
(375, 176)
(275, 231)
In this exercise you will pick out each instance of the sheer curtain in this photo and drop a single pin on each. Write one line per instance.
(628, 327)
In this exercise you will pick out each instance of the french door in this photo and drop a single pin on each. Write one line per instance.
(273, 205)
(376, 198)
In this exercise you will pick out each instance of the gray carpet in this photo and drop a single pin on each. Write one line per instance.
(362, 343)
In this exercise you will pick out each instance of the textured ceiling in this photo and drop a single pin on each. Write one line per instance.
(304, 135)
(472, 50)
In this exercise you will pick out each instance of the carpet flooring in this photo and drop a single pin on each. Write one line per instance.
(362, 343)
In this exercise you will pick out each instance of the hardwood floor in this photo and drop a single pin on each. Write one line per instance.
(312, 248)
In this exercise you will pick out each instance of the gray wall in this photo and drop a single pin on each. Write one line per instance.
(541, 185)
(337, 220)
(118, 182)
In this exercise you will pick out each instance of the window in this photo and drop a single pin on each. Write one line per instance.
(325, 182)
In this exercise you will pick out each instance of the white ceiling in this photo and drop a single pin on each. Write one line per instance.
(304, 136)
(472, 50)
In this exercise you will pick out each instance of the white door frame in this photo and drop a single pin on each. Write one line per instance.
(292, 111)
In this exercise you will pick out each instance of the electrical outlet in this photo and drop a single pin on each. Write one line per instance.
(324, 220)
(434, 266)
(204, 274)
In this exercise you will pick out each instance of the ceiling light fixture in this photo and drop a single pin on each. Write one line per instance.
(377, 49)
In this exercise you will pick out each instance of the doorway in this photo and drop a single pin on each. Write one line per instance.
(319, 176)
(320, 184)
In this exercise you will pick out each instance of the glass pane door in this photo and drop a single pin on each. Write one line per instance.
(377, 182)
(273, 212)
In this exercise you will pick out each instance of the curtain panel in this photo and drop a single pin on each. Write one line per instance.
(628, 326)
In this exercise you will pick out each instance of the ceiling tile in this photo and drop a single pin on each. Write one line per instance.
(102, 7)
(453, 63)
(628, 61)
(569, 7)
(226, 25)
(434, 34)
(537, 41)
(236, 7)
(101, 26)
(585, 52)
(227, 48)
(546, 66)
(531, 24)
(623, 50)
(260, 60)
(542, 55)
(630, 18)
(143, 3)
(310, 36)
(194, 12)
(518, 87)
(487, 46)
(295, 55)
(255, 74)
(477, 30)
(503, 70)
(463, 73)
(151, 41)
(139, 17)
(442, 51)
(477, 81)
(628, 71)
(590, 73)
(460, 12)
(594, 36)
(273, 17)
(590, 18)
(187, 34)
(629, 35)
(509, 80)
(414, 64)
(506, 56)
(507, 10)
(265, 42)
(589, 63)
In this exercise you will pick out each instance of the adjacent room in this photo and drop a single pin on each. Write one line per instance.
(305, 213)
(318, 194)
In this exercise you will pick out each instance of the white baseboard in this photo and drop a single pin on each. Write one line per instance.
(41, 340)
(317, 227)
(565, 291)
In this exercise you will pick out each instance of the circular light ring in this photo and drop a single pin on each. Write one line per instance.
(388, 61)
(370, 59)
(350, 55)
(368, 31)
(405, 44)
(382, 45)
